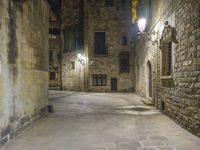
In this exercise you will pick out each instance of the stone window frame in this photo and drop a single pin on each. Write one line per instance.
(168, 37)
(99, 80)
(167, 61)
(95, 54)
(124, 56)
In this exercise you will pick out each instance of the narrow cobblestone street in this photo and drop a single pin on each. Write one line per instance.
(103, 121)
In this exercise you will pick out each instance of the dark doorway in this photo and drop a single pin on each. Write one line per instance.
(150, 78)
(113, 84)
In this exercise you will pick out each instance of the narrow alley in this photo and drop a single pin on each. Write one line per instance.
(99, 74)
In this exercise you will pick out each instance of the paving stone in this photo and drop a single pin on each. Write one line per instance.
(73, 127)
(165, 148)
(156, 137)
(151, 143)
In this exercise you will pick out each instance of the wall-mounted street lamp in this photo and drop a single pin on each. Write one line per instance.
(81, 58)
(141, 26)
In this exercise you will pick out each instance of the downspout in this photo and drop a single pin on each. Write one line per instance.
(60, 25)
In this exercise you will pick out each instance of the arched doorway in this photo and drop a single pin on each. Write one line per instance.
(149, 79)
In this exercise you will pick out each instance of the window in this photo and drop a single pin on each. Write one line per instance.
(54, 31)
(168, 43)
(124, 40)
(99, 80)
(73, 39)
(167, 60)
(72, 65)
(52, 76)
(109, 2)
(124, 62)
(50, 55)
(100, 43)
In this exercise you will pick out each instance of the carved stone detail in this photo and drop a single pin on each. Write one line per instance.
(168, 35)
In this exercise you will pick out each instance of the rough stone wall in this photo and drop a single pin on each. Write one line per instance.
(72, 79)
(24, 64)
(179, 95)
(115, 21)
(54, 47)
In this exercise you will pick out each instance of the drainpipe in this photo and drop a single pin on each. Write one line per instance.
(157, 82)
(60, 25)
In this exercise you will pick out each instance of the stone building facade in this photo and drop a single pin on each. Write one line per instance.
(167, 64)
(72, 44)
(103, 35)
(23, 64)
(54, 51)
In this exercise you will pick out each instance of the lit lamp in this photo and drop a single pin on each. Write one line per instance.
(81, 58)
(141, 26)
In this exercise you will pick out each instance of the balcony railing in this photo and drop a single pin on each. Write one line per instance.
(100, 50)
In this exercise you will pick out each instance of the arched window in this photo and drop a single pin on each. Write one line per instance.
(124, 62)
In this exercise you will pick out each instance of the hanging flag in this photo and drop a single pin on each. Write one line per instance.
(134, 11)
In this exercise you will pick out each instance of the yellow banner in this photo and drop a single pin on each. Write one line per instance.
(134, 11)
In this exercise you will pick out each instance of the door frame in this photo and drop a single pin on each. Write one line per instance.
(116, 84)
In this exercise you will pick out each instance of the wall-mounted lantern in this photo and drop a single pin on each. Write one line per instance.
(81, 58)
(141, 26)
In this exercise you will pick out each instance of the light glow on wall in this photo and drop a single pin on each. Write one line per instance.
(141, 24)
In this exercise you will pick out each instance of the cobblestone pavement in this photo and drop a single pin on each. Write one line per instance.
(103, 121)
